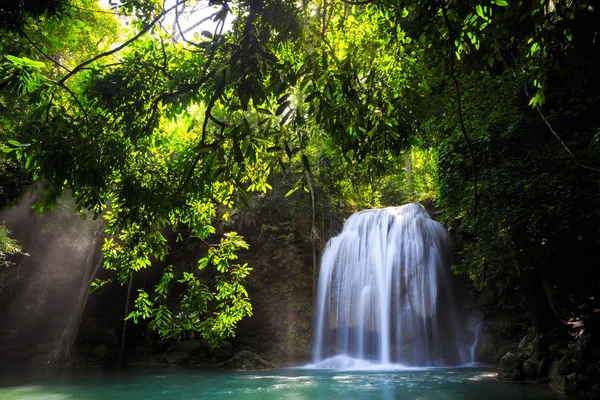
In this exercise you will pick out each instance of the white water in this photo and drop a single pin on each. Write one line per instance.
(384, 295)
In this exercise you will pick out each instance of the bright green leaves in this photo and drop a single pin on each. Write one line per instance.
(210, 312)
(25, 62)
(142, 307)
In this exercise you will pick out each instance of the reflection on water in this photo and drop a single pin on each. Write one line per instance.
(176, 383)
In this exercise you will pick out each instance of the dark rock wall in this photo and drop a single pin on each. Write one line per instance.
(280, 286)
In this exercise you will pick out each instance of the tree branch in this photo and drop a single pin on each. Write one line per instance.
(121, 47)
(41, 52)
(182, 32)
(62, 85)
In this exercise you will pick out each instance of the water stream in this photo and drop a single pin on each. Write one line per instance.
(385, 294)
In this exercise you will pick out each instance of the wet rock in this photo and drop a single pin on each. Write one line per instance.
(511, 368)
(246, 361)
(557, 381)
(176, 357)
(185, 352)
(530, 369)
(223, 353)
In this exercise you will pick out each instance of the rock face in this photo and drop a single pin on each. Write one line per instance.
(246, 361)
(510, 368)
(280, 285)
(496, 338)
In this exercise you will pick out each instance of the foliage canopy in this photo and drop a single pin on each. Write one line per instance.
(158, 126)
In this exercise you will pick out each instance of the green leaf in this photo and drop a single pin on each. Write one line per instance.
(282, 108)
(311, 96)
(305, 163)
(479, 10)
(202, 263)
(290, 192)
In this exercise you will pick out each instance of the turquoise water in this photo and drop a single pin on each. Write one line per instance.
(177, 383)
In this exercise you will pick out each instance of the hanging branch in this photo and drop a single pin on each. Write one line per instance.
(459, 108)
(563, 144)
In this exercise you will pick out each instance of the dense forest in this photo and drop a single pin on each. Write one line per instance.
(171, 122)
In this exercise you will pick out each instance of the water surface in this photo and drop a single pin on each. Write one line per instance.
(178, 383)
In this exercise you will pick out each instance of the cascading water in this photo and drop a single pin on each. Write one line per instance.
(384, 294)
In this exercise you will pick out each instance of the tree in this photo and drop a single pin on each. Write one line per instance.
(156, 132)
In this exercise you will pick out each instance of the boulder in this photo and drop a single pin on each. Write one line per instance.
(530, 369)
(223, 353)
(246, 361)
(511, 368)
(176, 357)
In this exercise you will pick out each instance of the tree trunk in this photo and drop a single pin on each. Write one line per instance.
(120, 357)
(64, 353)
(544, 318)
(313, 231)
(409, 174)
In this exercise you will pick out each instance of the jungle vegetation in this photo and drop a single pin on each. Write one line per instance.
(166, 116)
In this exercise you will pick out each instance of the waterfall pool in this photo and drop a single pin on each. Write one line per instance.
(290, 383)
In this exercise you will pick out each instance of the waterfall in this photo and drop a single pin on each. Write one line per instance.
(385, 296)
